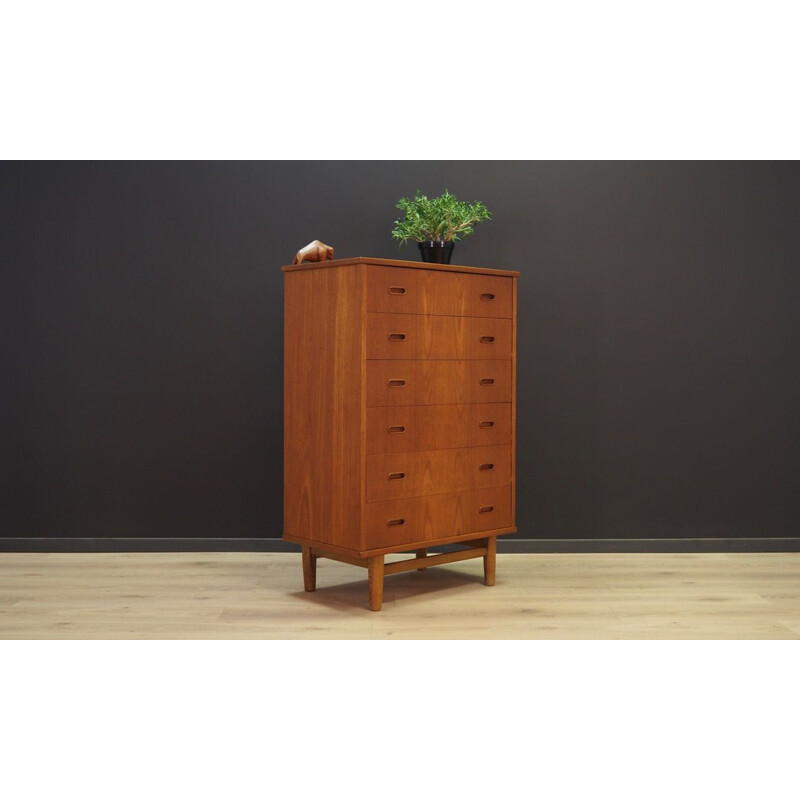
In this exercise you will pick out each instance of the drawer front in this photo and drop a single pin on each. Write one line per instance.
(402, 336)
(404, 429)
(433, 472)
(419, 519)
(420, 383)
(421, 291)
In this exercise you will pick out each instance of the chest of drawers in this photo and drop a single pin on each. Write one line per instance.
(399, 413)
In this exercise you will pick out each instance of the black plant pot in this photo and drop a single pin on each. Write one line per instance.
(436, 252)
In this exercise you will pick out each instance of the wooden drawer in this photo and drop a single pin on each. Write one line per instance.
(420, 519)
(422, 383)
(421, 291)
(436, 337)
(403, 429)
(393, 475)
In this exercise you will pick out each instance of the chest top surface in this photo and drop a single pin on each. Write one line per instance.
(388, 262)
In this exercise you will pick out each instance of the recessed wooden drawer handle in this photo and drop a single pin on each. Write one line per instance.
(487, 423)
(396, 476)
(487, 339)
(487, 381)
(393, 523)
(397, 337)
(397, 290)
(487, 296)
(486, 467)
(396, 429)
(486, 509)
(393, 384)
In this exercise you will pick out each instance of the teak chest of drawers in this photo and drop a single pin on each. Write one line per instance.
(399, 413)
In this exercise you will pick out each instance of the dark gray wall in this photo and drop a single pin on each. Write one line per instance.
(659, 339)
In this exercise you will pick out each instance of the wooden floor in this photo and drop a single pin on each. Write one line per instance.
(260, 596)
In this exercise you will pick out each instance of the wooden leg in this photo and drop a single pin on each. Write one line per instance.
(309, 569)
(375, 568)
(490, 561)
(421, 553)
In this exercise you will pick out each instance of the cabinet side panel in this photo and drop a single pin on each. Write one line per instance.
(514, 402)
(322, 405)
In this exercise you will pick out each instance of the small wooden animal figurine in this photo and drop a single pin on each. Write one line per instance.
(314, 251)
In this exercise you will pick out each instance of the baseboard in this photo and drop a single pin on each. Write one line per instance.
(789, 544)
(67, 544)
(64, 544)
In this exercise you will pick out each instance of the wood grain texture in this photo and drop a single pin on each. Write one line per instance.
(309, 568)
(430, 472)
(406, 291)
(363, 335)
(323, 467)
(490, 561)
(513, 401)
(400, 429)
(359, 557)
(422, 519)
(375, 576)
(213, 596)
(392, 262)
(419, 336)
(419, 383)
(440, 539)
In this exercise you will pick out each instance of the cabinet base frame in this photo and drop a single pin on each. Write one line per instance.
(485, 548)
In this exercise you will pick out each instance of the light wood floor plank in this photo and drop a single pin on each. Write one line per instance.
(537, 596)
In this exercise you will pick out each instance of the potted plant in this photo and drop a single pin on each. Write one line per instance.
(437, 223)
